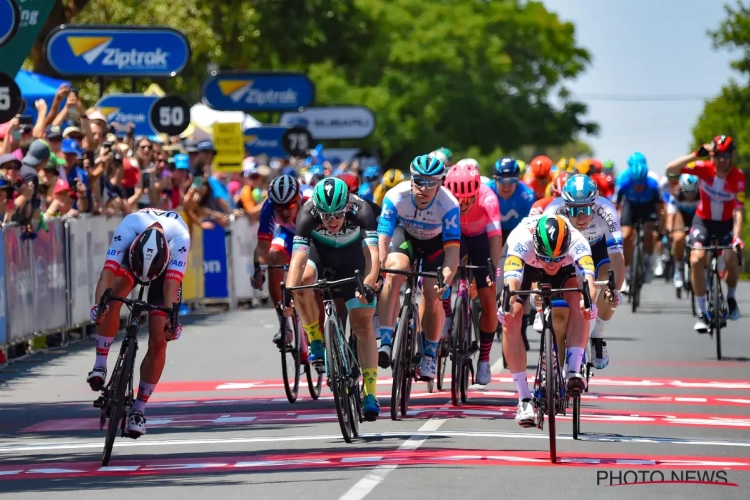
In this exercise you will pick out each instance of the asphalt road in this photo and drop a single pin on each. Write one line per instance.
(220, 426)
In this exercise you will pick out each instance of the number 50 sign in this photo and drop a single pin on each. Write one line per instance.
(170, 115)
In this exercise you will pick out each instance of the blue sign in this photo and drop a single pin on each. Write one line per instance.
(117, 51)
(215, 273)
(10, 17)
(3, 305)
(265, 140)
(258, 91)
(129, 108)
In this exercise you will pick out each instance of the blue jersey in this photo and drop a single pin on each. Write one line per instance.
(365, 192)
(441, 216)
(625, 190)
(515, 208)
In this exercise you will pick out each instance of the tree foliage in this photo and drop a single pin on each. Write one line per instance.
(485, 83)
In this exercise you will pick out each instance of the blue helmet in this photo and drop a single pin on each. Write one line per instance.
(372, 173)
(289, 171)
(507, 167)
(637, 158)
(427, 166)
(316, 170)
(580, 190)
(638, 173)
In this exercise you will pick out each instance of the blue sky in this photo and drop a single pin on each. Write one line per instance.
(646, 47)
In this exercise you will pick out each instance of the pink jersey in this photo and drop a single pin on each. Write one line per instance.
(484, 216)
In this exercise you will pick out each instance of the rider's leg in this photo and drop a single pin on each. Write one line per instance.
(360, 319)
(306, 306)
(515, 355)
(578, 335)
(648, 247)
(560, 315)
(431, 317)
(277, 256)
(388, 307)
(699, 237)
(676, 221)
(487, 328)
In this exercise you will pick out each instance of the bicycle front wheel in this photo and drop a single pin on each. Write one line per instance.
(337, 378)
(458, 352)
(552, 389)
(290, 362)
(718, 310)
(354, 388)
(119, 386)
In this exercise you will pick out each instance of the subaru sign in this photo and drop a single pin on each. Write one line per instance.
(129, 108)
(333, 122)
(265, 140)
(117, 51)
(10, 17)
(258, 91)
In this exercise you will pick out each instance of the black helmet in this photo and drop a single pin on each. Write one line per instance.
(149, 255)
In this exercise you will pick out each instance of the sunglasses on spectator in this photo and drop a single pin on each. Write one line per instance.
(145, 146)
(551, 260)
(576, 210)
(287, 206)
(338, 215)
(506, 181)
(423, 183)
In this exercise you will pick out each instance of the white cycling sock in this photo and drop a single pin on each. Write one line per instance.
(700, 303)
(574, 359)
(522, 385)
(598, 332)
(731, 292)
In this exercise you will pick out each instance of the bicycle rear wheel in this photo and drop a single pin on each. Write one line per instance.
(718, 315)
(442, 362)
(576, 416)
(409, 356)
(398, 366)
(337, 378)
(551, 381)
(636, 278)
(119, 385)
(354, 389)
(457, 354)
(290, 362)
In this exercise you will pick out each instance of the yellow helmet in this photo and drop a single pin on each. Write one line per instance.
(392, 178)
(521, 167)
(583, 166)
(567, 164)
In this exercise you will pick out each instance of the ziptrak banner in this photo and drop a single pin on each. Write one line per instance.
(129, 108)
(117, 51)
(14, 50)
(258, 91)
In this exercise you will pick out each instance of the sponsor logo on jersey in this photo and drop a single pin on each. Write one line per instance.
(741, 197)
(608, 218)
(513, 263)
(580, 248)
(111, 251)
(176, 263)
(520, 249)
(586, 263)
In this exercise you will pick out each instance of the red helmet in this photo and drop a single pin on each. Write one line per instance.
(541, 166)
(557, 185)
(723, 144)
(352, 182)
(463, 180)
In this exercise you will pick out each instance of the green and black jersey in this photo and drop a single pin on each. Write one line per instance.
(360, 225)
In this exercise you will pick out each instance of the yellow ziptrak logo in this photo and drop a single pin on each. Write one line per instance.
(89, 47)
(109, 113)
(235, 89)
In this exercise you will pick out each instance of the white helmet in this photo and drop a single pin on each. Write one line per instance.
(283, 189)
(689, 183)
(470, 162)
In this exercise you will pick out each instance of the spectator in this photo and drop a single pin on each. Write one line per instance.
(6, 198)
(144, 162)
(180, 180)
(54, 138)
(74, 133)
(27, 202)
(10, 167)
(62, 200)
(250, 198)
(76, 176)
(191, 148)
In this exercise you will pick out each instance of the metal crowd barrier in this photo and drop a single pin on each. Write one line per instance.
(48, 283)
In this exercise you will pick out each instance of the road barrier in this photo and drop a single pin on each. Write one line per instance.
(48, 283)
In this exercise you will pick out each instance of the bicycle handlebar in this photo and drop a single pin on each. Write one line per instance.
(323, 284)
(263, 267)
(546, 291)
(438, 274)
(107, 297)
(716, 248)
(490, 267)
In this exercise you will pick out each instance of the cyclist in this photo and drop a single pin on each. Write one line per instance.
(638, 199)
(538, 175)
(371, 176)
(515, 197)
(149, 247)
(276, 237)
(445, 155)
(597, 220)
(720, 215)
(391, 179)
(544, 249)
(680, 212)
(419, 219)
(553, 191)
(481, 239)
(337, 231)
(352, 182)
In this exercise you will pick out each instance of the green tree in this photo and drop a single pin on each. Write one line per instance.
(486, 82)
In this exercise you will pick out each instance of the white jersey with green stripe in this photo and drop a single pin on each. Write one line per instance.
(521, 250)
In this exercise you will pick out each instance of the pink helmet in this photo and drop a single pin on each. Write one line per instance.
(463, 180)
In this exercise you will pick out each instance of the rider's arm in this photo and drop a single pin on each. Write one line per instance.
(296, 266)
(494, 231)
(739, 219)
(451, 242)
(386, 225)
(176, 268)
(369, 230)
(304, 227)
(675, 166)
(265, 232)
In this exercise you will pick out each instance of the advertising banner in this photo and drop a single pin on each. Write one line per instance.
(265, 140)
(333, 122)
(3, 305)
(117, 51)
(33, 15)
(266, 91)
(215, 273)
(10, 17)
(244, 240)
(192, 282)
(129, 108)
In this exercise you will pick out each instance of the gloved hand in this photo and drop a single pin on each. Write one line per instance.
(501, 315)
(616, 299)
(737, 242)
(172, 333)
(259, 277)
(94, 310)
(589, 314)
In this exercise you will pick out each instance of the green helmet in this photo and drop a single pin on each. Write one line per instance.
(447, 152)
(330, 195)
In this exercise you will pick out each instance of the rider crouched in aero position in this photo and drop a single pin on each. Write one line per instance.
(149, 247)
(597, 220)
(420, 218)
(481, 238)
(546, 249)
(638, 199)
(337, 231)
(719, 215)
(680, 211)
(276, 236)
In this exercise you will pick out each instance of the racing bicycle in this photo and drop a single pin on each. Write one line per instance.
(638, 276)
(118, 395)
(294, 351)
(408, 351)
(341, 366)
(551, 396)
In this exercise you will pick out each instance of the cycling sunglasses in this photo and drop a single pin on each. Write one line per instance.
(506, 181)
(286, 206)
(550, 260)
(724, 156)
(423, 183)
(467, 201)
(333, 215)
(576, 210)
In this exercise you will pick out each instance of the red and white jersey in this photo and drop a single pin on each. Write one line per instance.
(175, 230)
(719, 197)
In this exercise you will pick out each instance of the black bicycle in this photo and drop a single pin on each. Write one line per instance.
(408, 351)
(638, 276)
(341, 365)
(118, 395)
(715, 301)
(292, 350)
